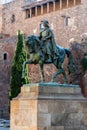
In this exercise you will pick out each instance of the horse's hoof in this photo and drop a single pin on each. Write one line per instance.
(65, 82)
(41, 81)
(52, 80)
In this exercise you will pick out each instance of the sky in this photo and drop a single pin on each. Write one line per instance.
(4, 1)
(0, 1)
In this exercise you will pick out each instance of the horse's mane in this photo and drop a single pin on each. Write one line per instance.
(32, 36)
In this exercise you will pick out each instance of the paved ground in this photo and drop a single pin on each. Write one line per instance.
(2, 128)
(3, 123)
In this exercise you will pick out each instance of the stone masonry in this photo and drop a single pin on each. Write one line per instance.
(65, 31)
(0, 18)
(6, 57)
(49, 106)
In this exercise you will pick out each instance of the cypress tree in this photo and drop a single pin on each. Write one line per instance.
(20, 56)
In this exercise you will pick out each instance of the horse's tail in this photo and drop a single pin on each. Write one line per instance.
(71, 63)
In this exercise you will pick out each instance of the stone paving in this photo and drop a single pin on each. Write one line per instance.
(4, 122)
(2, 128)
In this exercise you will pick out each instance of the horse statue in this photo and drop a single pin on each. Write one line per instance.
(37, 55)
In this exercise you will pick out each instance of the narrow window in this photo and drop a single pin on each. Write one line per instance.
(78, 2)
(67, 21)
(71, 3)
(64, 4)
(50, 6)
(38, 10)
(57, 4)
(5, 56)
(33, 12)
(27, 13)
(44, 8)
(13, 18)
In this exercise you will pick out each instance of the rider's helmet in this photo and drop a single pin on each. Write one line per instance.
(46, 23)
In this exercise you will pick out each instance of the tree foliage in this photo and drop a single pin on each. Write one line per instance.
(16, 72)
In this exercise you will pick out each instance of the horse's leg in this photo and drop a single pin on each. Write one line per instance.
(60, 71)
(64, 75)
(42, 72)
(55, 75)
(24, 73)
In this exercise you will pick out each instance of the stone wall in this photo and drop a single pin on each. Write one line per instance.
(9, 9)
(77, 22)
(0, 18)
(79, 51)
(6, 57)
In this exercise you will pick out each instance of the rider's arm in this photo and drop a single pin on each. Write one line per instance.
(49, 35)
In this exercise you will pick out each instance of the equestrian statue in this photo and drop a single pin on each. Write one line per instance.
(42, 50)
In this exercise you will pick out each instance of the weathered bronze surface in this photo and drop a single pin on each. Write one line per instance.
(42, 50)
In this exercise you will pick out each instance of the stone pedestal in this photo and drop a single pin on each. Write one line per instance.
(49, 106)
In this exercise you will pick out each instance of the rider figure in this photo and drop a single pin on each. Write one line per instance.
(47, 37)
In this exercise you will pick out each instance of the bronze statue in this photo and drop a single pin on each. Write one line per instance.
(47, 37)
(43, 50)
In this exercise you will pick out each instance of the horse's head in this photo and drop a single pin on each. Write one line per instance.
(30, 43)
(29, 40)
